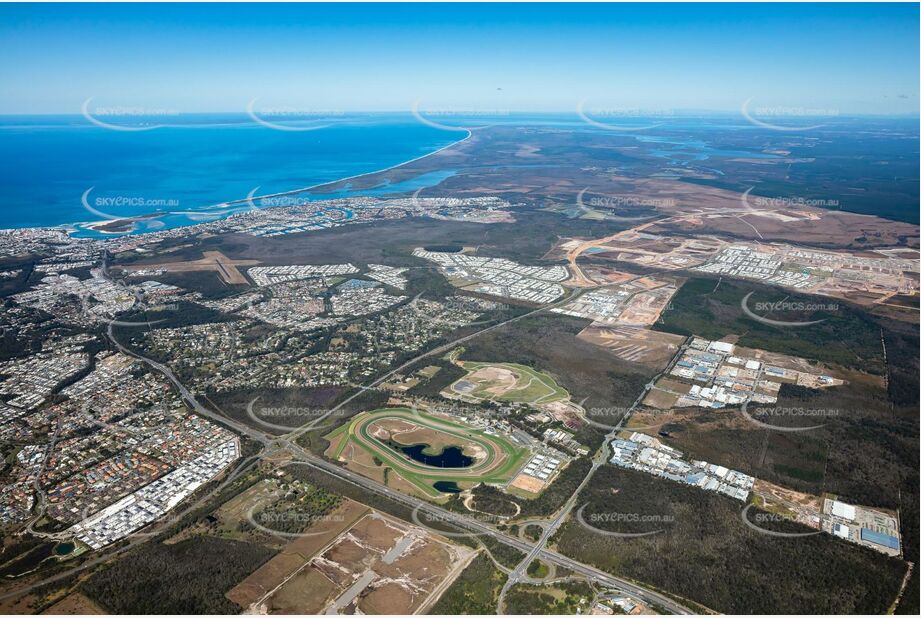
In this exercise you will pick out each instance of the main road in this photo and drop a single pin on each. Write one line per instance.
(600, 457)
(288, 442)
(477, 527)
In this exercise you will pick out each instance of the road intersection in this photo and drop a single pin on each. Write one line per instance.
(272, 444)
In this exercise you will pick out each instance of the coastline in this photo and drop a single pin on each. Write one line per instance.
(72, 228)
(352, 177)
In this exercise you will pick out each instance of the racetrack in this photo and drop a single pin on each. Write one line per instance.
(507, 382)
(496, 458)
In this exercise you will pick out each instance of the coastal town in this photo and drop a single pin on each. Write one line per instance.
(106, 449)
(492, 309)
(370, 324)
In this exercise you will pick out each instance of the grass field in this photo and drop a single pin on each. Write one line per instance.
(497, 459)
(508, 382)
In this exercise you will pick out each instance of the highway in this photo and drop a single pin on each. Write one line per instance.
(259, 436)
(288, 442)
(571, 296)
(273, 444)
(473, 525)
(42, 503)
(599, 459)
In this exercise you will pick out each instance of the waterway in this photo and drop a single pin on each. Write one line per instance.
(448, 457)
(193, 164)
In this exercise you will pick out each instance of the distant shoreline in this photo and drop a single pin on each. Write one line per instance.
(353, 177)
(94, 225)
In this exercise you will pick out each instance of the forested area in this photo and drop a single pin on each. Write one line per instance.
(561, 598)
(475, 591)
(706, 553)
(189, 577)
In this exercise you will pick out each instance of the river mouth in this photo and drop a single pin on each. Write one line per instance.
(448, 457)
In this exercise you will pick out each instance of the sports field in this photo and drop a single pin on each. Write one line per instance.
(362, 444)
(507, 382)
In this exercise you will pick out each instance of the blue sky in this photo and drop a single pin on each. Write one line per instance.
(850, 58)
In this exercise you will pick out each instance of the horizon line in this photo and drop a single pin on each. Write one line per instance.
(472, 112)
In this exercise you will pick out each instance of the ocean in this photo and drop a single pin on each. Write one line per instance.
(59, 170)
(54, 166)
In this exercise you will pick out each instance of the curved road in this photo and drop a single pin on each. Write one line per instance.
(288, 442)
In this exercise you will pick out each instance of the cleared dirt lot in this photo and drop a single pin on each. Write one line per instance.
(528, 484)
(273, 573)
(634, 344)
(660, 399)
(375, 565)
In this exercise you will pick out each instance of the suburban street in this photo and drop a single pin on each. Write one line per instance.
(288, 442)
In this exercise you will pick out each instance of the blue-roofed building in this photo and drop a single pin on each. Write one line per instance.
(886, 540)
